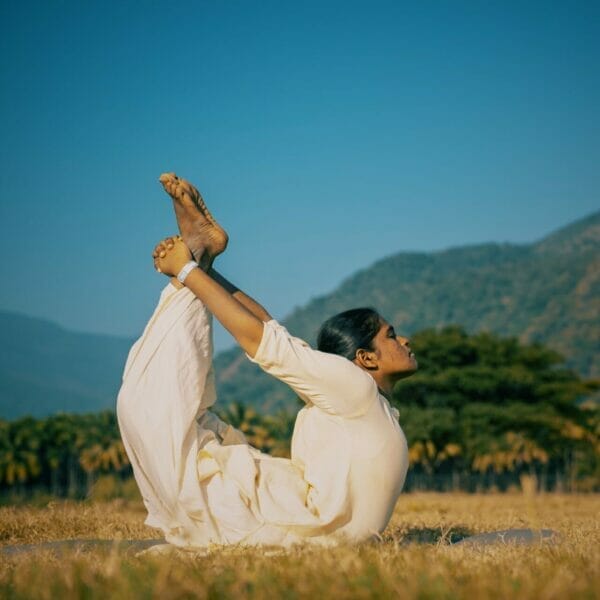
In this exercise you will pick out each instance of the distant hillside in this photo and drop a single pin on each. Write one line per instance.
(46, 369)
(548, 291)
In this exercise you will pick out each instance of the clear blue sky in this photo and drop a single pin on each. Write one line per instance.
(323, 136)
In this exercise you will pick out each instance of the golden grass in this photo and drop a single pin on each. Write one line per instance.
(413, 561)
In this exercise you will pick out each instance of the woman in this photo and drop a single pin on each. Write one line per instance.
(200, 480)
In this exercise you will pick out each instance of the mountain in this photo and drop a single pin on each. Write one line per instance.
(45, 368)
(547, 291)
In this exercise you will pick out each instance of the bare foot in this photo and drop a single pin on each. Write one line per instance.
(205, 238)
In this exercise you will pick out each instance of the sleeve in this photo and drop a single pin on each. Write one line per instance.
(333, 383)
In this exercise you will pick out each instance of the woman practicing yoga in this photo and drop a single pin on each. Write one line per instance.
(200, 480)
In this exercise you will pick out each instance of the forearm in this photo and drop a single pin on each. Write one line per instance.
(243, 324)
(252, 305)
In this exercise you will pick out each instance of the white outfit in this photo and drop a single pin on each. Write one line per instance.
(201, 481)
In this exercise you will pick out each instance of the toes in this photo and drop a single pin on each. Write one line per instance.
(167, 177)
(184, 196)
(170, 183)
(179, 189)
(184, 192)
(195, 193)
(189, 188)
(192, 191)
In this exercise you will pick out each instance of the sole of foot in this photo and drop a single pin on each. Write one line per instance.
(205, 238)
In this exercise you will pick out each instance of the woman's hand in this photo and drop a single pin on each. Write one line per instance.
(171, 255)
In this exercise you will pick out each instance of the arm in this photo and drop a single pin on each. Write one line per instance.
(252, 305)
(236, 316)
(331, 382)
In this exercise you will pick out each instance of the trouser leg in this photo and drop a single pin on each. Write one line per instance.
(168, 384)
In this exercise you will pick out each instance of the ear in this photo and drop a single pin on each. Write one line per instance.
(366, 359)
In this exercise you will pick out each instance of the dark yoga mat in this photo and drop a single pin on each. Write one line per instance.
(58, 547)
(519, 537)
(506, 536)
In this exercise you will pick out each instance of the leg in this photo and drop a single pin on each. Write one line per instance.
(200, 231)
(200, 482)
(166, 426)
(196, 473)
(167, 385)
(252, 305)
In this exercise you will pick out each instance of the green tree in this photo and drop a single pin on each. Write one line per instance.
(100, 446)
(490, 404)
(20, 462)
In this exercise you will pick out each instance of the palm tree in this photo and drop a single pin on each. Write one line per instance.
(60, 451)
(101, 449)
(21, 442)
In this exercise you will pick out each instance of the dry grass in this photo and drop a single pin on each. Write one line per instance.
(413, 561)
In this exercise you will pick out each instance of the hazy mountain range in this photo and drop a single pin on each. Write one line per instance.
(547, 291)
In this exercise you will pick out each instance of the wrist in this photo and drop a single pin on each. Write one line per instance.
(185, 270)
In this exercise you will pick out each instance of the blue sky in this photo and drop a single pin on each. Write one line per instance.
(323, 135)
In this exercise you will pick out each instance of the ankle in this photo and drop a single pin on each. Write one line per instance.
(205, 263)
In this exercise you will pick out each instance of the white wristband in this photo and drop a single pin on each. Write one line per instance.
(186, 270)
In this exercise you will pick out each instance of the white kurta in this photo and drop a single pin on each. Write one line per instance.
(200, 480)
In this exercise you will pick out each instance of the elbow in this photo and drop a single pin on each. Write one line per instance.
(250, 348)
(250, 343)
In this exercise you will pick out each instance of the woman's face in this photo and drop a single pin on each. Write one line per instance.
(393, 351)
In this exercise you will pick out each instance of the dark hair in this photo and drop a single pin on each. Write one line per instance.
(348, 331)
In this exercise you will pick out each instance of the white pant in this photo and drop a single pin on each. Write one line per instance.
(200, 480)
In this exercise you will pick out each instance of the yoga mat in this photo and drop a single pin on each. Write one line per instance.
(518, 537)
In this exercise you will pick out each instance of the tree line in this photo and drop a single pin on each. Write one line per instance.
(480, 412)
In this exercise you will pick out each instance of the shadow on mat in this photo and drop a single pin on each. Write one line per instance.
(427, 535)
(463, 536)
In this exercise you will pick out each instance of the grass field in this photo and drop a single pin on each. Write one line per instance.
(414, 560)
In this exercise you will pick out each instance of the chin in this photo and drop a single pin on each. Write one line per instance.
(407, 373)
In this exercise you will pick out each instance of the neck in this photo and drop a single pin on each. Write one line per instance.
(385, 385)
